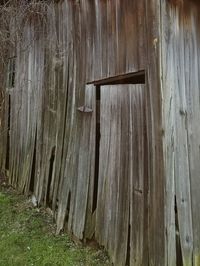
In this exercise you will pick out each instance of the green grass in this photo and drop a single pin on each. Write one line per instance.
(27, 238)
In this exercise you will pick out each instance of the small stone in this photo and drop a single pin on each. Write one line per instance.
(34, 201)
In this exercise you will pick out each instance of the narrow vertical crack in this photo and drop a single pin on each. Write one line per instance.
(179, 256)
(97, 149)
(8, 136)
(51, 167)
(32, 181)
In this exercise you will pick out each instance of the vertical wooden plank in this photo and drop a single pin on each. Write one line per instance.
(157, 237)
(86, 162)
(168, 85)
(193, 117)
(182, 168)
(138, 177)
(181, 93)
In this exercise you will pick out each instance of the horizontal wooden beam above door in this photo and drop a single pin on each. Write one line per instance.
(129, 78)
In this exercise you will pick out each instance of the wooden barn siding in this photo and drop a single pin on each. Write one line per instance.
(122, 203)
(3, 113)
(26, 101)
(114, 35)
(81, 47)
(156, 222)
(3, 98)
(181, 111)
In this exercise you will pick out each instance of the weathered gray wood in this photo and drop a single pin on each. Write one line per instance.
(113, 174)
(169, 137)
(122, 173)
(138, 164)
(54, 60)
(86, 162)
(112, 31)
(79, 41)
(24, 104)
(193, 116)
(181, 110)
(156, 208)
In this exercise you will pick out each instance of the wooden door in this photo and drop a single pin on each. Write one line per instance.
(121, 215)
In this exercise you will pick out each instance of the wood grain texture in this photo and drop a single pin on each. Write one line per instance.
(149, 152)
(156, 221)
(138, 163)
(52, 145)
(121, 208)
(181, 110)
(111, 32)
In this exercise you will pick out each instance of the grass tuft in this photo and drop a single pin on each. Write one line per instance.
(27, 238)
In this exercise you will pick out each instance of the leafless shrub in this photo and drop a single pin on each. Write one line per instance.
(14, 15)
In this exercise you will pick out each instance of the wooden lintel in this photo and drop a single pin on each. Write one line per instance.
(129, 78)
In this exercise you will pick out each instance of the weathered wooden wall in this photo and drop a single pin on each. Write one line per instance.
(181, 112)
(121, 223)
(3, 96)
(114, 34)
(3, 115)
(52, 145)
